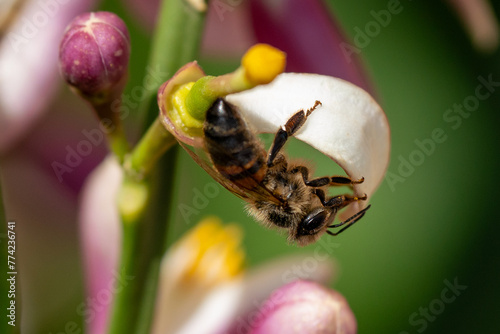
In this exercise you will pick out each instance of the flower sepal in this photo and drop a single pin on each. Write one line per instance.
(173, 113)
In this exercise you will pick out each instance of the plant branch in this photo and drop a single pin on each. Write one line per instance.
(175, 43)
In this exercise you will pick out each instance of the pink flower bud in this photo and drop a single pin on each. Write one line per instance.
(305, 307)
(94, 54)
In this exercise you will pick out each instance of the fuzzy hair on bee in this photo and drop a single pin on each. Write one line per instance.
(279, 194)
(299, 200)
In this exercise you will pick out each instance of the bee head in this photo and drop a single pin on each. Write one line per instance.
(313, 225)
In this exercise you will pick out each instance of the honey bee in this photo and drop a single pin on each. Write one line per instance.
(278, 193)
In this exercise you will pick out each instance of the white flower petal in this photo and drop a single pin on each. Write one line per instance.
(349, 127)
(216, 311)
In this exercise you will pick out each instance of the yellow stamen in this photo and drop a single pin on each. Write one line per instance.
(262, 63)
(215, 253)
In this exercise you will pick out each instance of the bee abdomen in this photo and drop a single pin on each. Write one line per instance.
(233, 148)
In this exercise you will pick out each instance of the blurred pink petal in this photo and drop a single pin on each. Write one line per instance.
(46, 209)
(228, 30)
(480, 22)
(305, 307)
(144, 11)
(261, 281)
(26, 87)
(306, 31)
(66, 142)
(101, 239)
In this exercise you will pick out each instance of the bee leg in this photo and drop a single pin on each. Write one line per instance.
(348, 222)
(344, 180)
(337, 202)
(289, 129)
(326, 180)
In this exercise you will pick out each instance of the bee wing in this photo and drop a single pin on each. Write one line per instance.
(260, 192)
(215, 175)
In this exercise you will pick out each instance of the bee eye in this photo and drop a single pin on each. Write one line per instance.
(312, 222)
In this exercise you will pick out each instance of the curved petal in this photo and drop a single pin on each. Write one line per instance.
(305, 307)
(349, 127)
(101, 238)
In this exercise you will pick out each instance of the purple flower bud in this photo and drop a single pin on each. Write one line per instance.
(305, 307)
(94, 54)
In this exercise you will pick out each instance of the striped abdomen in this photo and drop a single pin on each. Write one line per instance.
(235, 151)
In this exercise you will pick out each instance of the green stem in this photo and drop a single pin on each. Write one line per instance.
(144, 215)
(175, 43)
(130, 267)
(111, 121)
(150, 148)
(161, 206)
(118, 143)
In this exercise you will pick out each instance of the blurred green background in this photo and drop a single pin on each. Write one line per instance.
(440, 224)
